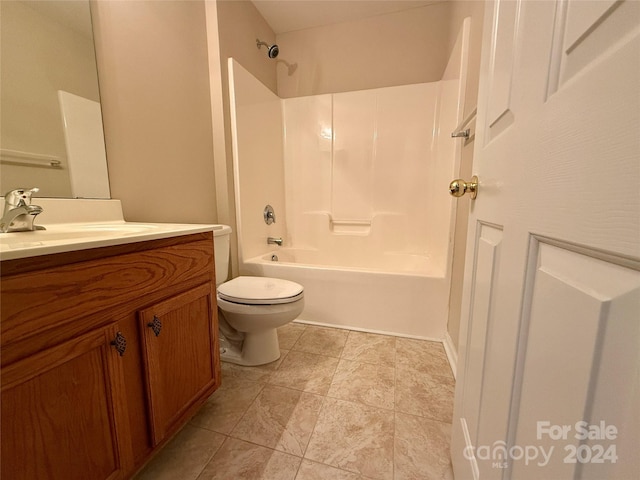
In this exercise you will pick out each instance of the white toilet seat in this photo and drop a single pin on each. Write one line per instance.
(260, 291)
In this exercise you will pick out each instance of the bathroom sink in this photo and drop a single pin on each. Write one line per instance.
(61, 237)
(119, 228)
(72, 232)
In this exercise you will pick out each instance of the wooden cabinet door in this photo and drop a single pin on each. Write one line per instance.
(63, 414)
(179, 355)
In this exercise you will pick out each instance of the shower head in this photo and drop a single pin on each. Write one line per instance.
(272, 50)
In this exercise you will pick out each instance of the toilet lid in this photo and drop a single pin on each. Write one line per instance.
(260, 291)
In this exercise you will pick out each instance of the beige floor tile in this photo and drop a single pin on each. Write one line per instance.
(322, 341)
(424, 395)
(280, 418)
(238, 460)
(261, 373)
(222, 411)
(317, 471)
(370, 348)
(354, 437)
(364, 383)
(305, 371)
(423, 356)
(184, 456)
(289, 334)
(422, 449)
(276, 413)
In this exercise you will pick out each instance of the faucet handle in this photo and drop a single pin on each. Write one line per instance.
(20, 197)
(269, 215)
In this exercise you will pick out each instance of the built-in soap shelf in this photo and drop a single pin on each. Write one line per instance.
(319, 223)
(350, 227)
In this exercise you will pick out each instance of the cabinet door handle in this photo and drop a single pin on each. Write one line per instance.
(156, 325)
(120, 343)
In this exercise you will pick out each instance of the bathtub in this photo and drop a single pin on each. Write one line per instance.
(397, 294)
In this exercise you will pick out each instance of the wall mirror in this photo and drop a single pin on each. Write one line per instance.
(51, 134)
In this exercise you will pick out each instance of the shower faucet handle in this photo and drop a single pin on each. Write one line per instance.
(269, 215)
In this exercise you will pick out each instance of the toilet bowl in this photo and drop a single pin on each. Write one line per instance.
(250, 309)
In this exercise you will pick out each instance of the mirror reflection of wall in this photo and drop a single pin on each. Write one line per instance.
(47, 47)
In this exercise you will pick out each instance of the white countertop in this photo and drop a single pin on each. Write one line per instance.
(73, 225)
(70, 237)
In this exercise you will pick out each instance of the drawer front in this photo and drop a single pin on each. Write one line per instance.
(36, 302)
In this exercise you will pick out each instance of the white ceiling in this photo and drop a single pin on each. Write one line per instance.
(289, 15)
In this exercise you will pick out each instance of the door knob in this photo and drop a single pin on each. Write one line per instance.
(459, 187)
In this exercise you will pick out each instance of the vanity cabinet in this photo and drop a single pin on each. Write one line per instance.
(76, 402)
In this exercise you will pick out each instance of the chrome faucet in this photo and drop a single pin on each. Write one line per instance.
(274, 241)
(19, 214)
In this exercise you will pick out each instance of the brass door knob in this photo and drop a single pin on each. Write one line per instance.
(459, 187)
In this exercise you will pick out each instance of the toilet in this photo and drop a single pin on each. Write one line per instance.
(250, 309)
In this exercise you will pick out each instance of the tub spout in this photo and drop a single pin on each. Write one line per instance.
(274, 241)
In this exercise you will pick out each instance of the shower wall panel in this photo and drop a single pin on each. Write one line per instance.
(308, 139)
(354, 128)
(404, 160)
(360, 167)
(256, 117)
(360, 174)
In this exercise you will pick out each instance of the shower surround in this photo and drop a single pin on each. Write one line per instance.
(358, 181)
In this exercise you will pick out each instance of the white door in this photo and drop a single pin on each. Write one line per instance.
(548, 384)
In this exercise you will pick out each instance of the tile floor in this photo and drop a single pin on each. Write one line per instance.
(337, 405)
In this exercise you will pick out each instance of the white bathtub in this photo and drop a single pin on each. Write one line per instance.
(394, 293)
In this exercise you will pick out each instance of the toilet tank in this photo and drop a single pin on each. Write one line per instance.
(221, 236)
